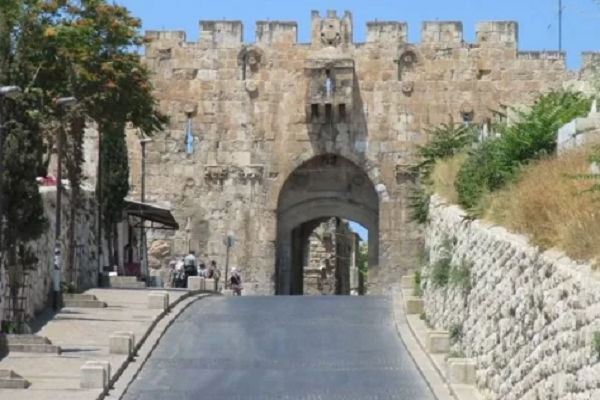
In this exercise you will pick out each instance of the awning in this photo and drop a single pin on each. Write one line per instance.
(159, 217)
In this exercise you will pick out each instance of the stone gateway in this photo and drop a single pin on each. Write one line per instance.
(285, 133)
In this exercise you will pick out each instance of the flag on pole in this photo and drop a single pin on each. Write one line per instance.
(189, 139)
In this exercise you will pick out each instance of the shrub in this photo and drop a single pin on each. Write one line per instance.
(417, 283)
(446, 141)
(444, 175)
(455, 332)
(460, 276)
(498, 161)
(418, 203)
(440, 272)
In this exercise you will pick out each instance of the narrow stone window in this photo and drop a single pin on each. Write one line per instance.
(314, 113)
(328, 113)
(342, 112)
(327, 82)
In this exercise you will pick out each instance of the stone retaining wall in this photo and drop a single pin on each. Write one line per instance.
(529, 318)
(40, 282)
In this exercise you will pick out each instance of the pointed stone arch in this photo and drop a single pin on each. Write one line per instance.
(326, 185)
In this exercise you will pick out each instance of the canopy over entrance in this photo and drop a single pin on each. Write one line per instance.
(159, 217)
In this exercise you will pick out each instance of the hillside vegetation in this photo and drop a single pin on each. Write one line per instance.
(516, 179)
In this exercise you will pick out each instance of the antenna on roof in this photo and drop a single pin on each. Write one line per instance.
(560, 14)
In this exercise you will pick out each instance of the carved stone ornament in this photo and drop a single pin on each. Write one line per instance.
(251, 87)
(253, 171)
(466, 108)
(407, 87)
(215, 172)
(190, 109)
(254, 56)
(408, 58)
(404, 173)
(248, 172)
(331, 32)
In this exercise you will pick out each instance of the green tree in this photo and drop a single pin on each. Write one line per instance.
(92, 43)
(23, 212)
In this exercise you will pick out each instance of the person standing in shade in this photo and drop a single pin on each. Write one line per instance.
(56, 281)
(190, 266)
(202, 271)
(213, 272)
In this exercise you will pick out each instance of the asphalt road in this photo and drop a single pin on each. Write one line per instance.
(282, 348)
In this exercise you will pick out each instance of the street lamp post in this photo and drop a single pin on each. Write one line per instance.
(144, 257)
(62, 103)
(6, 92)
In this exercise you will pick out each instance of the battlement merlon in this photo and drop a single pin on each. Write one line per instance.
(170, 37)
(386, 32)
(322, 27)
(590, 59)
(498, 34)
(223, 34)
(276, 32)
(447, 32)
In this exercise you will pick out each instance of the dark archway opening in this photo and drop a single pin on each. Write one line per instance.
(328, 258)
(315, 206)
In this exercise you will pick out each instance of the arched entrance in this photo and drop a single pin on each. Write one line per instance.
(324, 186)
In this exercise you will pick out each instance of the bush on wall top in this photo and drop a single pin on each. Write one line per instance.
(496, 162)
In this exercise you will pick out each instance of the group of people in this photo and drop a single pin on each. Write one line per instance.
(189, 266)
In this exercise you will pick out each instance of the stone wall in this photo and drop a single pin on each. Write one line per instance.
(529, 318)
(40, 280)
(260, 111)
(584, 131)
(329, 259)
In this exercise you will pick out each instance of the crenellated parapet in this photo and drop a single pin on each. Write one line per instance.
(332, 30)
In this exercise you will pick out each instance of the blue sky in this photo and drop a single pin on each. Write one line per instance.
(538, 19)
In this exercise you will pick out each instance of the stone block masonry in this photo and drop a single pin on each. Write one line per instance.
(39, 280)
(261, 111)
(530, 319)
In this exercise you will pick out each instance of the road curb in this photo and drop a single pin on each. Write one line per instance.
(117, 391)
(424, 365)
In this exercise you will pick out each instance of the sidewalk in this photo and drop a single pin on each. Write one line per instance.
(83, 335)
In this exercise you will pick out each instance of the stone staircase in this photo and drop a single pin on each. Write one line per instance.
(122, 282)
(82, 301)
(31, 344)
(10, 380)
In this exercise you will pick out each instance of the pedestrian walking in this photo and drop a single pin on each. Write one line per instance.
(235, 281)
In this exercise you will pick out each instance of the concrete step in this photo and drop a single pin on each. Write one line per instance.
(84, 304)
(27, 340)
(7, 374)
(14, 383)
(34, 348)
(123, 282)
(75, 296)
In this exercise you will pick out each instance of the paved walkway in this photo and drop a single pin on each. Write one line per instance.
(288, 347)
(83, 335)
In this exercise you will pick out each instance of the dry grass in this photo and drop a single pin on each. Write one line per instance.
(444, 174)
(551, 208)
